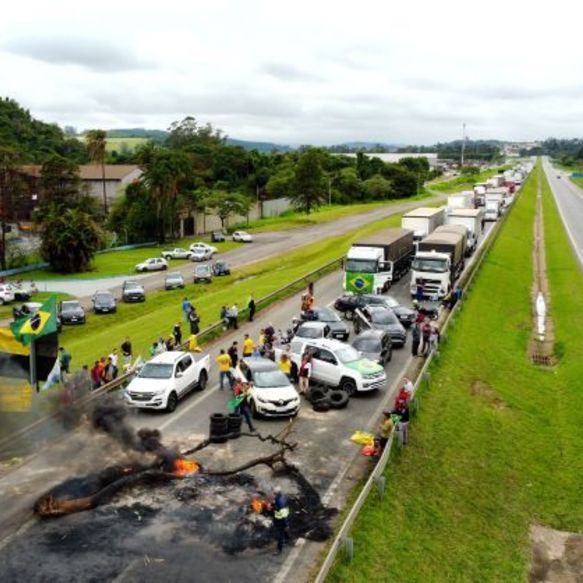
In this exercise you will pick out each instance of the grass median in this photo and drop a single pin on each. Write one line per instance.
(495, 447)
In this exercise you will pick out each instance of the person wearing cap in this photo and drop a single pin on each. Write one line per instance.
(280, 518)
(385, 429)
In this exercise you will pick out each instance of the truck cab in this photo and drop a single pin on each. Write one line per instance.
(432, 270)
(365, 270)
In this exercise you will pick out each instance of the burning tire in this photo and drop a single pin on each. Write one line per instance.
(338, 399)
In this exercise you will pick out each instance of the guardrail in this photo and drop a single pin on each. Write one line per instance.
(342, 538)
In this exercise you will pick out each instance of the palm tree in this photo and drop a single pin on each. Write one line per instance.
(96, 144)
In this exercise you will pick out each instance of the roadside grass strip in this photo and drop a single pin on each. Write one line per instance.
(496, 445)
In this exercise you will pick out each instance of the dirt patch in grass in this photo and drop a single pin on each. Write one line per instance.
(557, 556)
(484, 391)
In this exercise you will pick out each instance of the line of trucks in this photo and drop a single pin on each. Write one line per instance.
(432, 243)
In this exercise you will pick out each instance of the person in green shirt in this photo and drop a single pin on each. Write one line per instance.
(64, 362)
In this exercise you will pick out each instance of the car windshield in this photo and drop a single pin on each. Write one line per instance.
(156, 371)
(391, 302)
(70, 306)
(326, 315)
(347, 354)
(367, 344)
(384, 317)
(103, 298)
(174, 276)
(202, 270)
(432, 265)
(132, 285)
(361, 265)
(309, 332)
(269, 379)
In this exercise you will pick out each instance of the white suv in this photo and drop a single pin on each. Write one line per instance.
(200, 246)
(6, 294)
(167, 378)
(152, 264)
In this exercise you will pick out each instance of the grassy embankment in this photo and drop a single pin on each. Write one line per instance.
(497, 444)
(460, 183)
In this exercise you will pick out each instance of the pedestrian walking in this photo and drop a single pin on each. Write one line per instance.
(280, 519)
(233, 353)
(64, 362)
(403, 424)
(244, 407)
(234, 317)
(186, 308)
(126, 351)
(194, 321)
(252, 307)
(305, 373)
(224, 362)
(177, 333)
(415, 339)
(247, 346)
(425, 335)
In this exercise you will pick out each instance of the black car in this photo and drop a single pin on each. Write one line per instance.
(174, 280)
(217, 237)
(104, 303)
(30, 308)
(71, 312)
(348, 303)
(221, 268)
(132, 291)
(376, 345)
(380, 318)
(338, 329)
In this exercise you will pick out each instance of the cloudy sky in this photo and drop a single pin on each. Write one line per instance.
(297, 72)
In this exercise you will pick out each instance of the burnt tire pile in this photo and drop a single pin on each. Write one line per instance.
(224, 427)
(323, 399)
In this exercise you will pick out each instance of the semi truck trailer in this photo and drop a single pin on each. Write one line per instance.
(472, 220)
(423, 221)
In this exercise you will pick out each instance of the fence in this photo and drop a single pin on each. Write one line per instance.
(342, 538)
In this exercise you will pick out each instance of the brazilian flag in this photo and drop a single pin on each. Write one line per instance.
(359, 283)
(41, 324)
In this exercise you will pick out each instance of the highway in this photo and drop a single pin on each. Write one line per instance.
(569, 198)
(172, 532)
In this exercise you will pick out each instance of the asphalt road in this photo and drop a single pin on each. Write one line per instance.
(569, 198)
(146, 534)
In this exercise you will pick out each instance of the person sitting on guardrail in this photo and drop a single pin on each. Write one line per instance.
(385, 429)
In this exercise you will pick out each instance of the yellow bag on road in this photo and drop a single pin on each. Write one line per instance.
(362, 438)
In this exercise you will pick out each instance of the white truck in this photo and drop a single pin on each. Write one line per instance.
(338, 364)
(423, 221)
(472, 220)
(463, 200)
(166, 379)
(493, 206)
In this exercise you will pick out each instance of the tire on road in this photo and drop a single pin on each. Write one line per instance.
(321, 405)
(316, 394)
(338, 399)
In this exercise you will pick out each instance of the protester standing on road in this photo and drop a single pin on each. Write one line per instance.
(419, 292)
(224, 362)
(194, 321)
(233, 353)
(244, 407)
(251, 306)
(415, 339)
(126, 350)
(305, 373)
(285, 365)
(425, 335)
(247, 346)
(64, 362)
(177, 333)
(280, 518)
(186, 307)
(234, 317)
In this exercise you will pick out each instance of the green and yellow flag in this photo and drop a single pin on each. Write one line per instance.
(44, 322)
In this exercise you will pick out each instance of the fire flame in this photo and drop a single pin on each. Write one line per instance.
(183, 467)
(257, 505)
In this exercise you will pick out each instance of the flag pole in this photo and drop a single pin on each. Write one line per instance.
(33, 375)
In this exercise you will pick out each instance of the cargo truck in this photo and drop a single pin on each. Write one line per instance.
(374, 263)
(472, 220)
(463, 200)
(438, 263)
(423, 221)
(493, 206)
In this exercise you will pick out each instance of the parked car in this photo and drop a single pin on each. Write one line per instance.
(242, 237)
(375, 345)
(313, 330)
(338, 329)
(217, 237)
(28, 309)
(132, 291)
(104, 303)
(203, 274)
(201, 254)
(272, 394)
(20, 291)
(174, 280)
(152, 264)
(71, 312)
(221, 268)
(166, 379)
(178, 253)
(348, 303)
(6, 294)
(380, 318)
(208, 248)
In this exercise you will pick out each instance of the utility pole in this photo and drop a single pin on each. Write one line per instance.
(463, 143)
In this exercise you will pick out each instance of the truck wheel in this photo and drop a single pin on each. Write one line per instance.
(348, 386)
(202, 380)
(172, 402)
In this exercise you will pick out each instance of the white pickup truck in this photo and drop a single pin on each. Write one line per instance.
(337, 364)
(166, 379)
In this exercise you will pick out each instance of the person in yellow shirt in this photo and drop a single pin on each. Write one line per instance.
(193, 344)
(285, 365)
(385, 429)
(247, 346)
(225, 365)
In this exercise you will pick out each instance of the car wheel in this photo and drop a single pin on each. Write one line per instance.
(338, 399)
(348, 385)
(202, 380)
(172, 403)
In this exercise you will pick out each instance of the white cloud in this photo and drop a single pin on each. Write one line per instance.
(300, 72)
